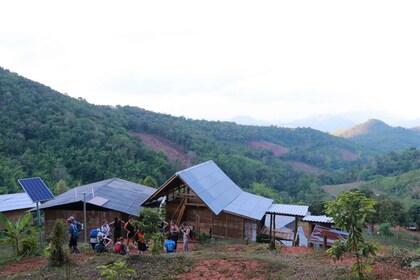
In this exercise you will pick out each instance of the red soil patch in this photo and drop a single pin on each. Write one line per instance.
(276, 149)
(27, 264)
(222, 270)
(296, 250)
(172, 151)
(347, 155)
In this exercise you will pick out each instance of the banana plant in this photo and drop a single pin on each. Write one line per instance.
(15, 231)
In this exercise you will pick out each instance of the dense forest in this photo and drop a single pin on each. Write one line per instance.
(68, 142)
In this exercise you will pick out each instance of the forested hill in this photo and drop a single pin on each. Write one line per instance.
(67, 141)
(377, 135)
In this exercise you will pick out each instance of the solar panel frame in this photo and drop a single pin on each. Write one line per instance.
(36, 189)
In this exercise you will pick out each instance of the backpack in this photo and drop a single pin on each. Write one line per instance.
(78, 226)
(76, 229)
(192, 234)
(118, 247)
(93, 233)
(139, 237)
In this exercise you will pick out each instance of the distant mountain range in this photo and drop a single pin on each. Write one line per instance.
(333, 122)
(377, 135)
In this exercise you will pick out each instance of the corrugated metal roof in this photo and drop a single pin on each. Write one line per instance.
(288, 209)
(318, 219)
(211, 184)
(317, 235)
(249, 205)
(122, 196)
(282, 222)
(15, 201)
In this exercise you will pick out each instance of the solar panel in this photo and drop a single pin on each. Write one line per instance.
(36, 189)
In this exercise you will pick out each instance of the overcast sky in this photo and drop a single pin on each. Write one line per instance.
(218, 59)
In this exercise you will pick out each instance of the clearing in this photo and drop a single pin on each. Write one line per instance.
(214, 260)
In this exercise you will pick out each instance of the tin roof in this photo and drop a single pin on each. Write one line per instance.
(217, 191)
(249, 205)
(288, 209)
(282, 222)
(15, 201)
(317, 235)
(211, 184)
(318, 219)
(117, 194)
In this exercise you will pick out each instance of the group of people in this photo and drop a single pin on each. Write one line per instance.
(173, 236)
(100, 238)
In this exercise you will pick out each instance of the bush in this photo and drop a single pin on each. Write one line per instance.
(57, 256)
(30, 245)
(204, 237)
(400, 257)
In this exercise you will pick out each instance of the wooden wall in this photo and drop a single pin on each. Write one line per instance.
(201, 219)
(93, 218)
(14, 216)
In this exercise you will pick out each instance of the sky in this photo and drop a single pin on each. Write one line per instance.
(214, 60)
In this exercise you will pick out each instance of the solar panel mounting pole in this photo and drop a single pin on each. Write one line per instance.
(39, 223)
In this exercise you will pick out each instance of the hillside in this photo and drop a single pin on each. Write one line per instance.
(62, 139)
(378, 136)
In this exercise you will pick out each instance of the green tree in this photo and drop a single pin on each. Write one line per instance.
(16, 232)
(414, 214)
(350, 211)
(149, 222)
(57, 256)
(60, 187)
(263, 190)
(150, 182)
(385, 230)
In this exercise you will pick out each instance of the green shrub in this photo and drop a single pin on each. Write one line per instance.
(55, 251)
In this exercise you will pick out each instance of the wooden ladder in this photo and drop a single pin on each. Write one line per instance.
(181, 211)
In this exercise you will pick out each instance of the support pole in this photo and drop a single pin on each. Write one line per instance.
(84, 217)
(39, 224)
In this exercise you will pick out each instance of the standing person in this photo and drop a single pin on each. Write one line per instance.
(162, 227)
(105, 229)
(174, 233)
(74, 233)
(185, 229)
(117, 225)
(94, 237)
(130, 232)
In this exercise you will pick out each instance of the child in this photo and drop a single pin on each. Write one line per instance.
(119, 247)
(141, 243)
(169, 246)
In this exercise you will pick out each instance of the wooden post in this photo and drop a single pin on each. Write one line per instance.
(295, 231)
(325, 242)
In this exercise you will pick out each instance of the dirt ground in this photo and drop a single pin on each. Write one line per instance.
(211, 261)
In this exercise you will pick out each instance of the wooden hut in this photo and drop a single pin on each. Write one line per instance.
(210, 202)
(15, 205)
(103, 200)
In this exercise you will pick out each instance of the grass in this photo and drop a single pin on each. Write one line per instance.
(207, 261)
(7, 254)
(397, 239)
